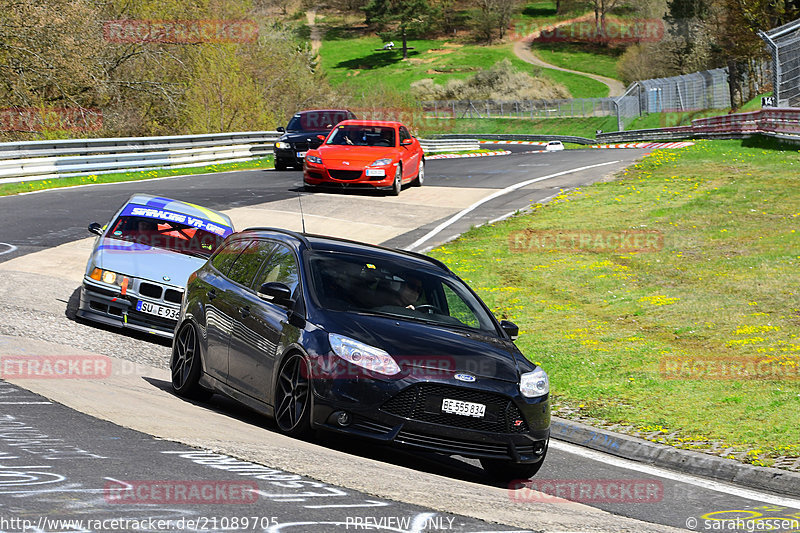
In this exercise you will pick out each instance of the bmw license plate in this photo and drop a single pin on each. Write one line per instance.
(158, 310)
(300, 155)
(457, 407)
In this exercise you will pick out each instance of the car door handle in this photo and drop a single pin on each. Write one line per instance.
(244, 311)
(211, 294)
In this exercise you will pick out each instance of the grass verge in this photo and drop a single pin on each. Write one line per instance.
(723, 287)
(358, 63)
(53, 183)
(581, 57)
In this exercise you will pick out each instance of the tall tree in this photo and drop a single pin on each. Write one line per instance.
(406, 17)
(685, 18)
(601, 9)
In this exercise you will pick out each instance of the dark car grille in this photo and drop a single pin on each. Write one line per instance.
(301, 146)
(315, 175)
(151, 290)
(423, 402)
(171, 295)
(345, 174)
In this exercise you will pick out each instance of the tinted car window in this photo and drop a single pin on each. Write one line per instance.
(363, 136)
(226, 256)
(316, 120)
(350, 283)
(281, 266)
(244, 269)
(404, 134)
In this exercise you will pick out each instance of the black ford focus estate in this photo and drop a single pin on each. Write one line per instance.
(329, 334)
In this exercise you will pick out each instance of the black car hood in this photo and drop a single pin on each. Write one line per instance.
(430, 350)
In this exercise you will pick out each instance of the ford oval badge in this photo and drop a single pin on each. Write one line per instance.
(469, 378)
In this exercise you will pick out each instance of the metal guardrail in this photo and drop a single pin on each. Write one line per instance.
(781, 123)
(15, 150)
(514, 137)
(459, 144)
(20, 161)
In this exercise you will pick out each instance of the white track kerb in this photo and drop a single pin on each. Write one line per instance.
(494, 195)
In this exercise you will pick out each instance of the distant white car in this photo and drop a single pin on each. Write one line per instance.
(553, 146)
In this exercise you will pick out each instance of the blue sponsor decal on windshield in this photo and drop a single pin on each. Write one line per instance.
(180, 218)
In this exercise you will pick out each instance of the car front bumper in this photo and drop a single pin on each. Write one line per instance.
(408, 413)
(320, 176)
(105, 305)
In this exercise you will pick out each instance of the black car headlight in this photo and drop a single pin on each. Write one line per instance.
(280, 145)
(363, 355)
(534, 384)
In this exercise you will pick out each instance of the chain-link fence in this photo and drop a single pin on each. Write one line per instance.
(784, 45)
(708, 89)
(574, 107)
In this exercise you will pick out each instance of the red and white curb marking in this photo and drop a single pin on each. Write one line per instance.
(511, 142)
(681, 144)
(457, 156)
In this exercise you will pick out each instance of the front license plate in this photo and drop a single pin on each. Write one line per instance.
(157, 310)
(301, 155)
(457, 407)
(375, 172)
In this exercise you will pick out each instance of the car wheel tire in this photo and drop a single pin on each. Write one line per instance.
(420, 174)
(185, 365)
(398, 182)
(280, 165)
(293, 397)
(509, 470)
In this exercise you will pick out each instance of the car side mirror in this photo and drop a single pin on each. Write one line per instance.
(406, 142)
(321, 137)
(280, 129)
(277, 293)
(95, 228)
(511, 329)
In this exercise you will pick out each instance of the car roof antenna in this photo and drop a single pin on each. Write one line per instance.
(302, 217)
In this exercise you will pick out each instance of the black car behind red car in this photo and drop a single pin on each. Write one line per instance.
(300, 134)
(324, 333)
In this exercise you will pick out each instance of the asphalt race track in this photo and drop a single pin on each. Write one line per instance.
(67, 445)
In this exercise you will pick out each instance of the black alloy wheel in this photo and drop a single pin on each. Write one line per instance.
(293, 397)
(185, 365)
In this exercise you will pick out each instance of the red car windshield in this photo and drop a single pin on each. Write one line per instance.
(165, 234)
(362, 136)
